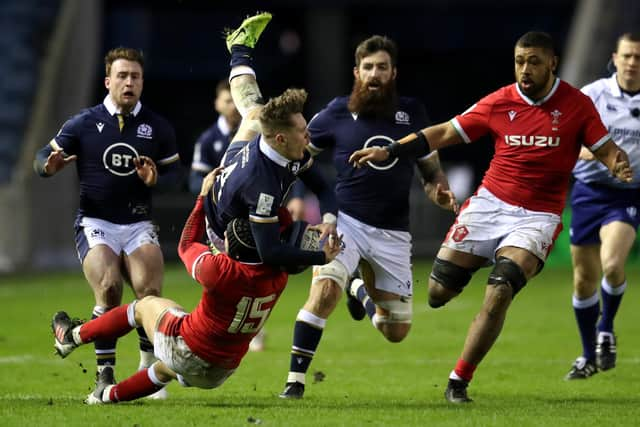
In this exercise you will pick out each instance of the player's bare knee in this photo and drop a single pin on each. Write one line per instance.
(507, 278)
(446, 281)
(395, 332)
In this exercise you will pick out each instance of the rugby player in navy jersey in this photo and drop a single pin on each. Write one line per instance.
(266, 156)
(373, 205)
(213, 142)
(120, 149)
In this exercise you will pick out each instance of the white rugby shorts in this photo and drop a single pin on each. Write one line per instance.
(486, 224)
(173, 351)
(119, 237)
(387, 251)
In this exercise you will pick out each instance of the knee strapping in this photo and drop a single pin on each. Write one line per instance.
(400, 311)
(450, 275)
(334, 270)
(507, 272)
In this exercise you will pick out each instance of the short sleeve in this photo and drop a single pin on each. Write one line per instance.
(474, 122)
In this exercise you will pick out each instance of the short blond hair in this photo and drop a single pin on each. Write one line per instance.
(276, 114)
(127, 53)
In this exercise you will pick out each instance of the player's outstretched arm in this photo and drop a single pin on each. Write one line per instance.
(51, 159)
(417, 145)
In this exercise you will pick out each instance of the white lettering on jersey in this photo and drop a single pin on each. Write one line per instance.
(532, 140)
(265, 203)
(118, 159)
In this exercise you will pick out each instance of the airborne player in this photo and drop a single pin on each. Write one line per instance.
(120, 148)
(538, 125)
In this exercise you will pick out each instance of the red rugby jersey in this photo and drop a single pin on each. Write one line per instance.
(536, 143)
(236, 301)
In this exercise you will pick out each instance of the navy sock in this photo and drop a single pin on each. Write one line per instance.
(587, 314)
(610, 305)
(305, 341)
(366, 301)
(105, 348)
(241, 55)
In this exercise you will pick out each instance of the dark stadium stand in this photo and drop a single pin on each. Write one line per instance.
(24, 31)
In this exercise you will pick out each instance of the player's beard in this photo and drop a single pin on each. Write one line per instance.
(381, 103)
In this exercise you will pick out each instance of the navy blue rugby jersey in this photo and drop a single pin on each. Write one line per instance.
(110, 188)
(211, 146)
(254, 184)
(377, 195)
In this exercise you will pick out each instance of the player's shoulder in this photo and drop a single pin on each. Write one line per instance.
(597, 87)
(338, 105)
(410, 103)
(148, 114)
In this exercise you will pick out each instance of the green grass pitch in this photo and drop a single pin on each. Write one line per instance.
(367, 381)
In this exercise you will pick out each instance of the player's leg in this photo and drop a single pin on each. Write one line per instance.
(513, 268)
(448, 278)
(242, 78)
(586, 306)
(324, 294)
(101, 268)
(147, 381)
(144, 264)
(617, 239)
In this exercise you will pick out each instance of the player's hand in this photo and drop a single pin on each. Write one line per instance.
(56, 161)
(586, 154)
(445, 199)
(621, 169)
(147, 170)
(327, 230)
(209, 180)
(332, 247)
(360, 157)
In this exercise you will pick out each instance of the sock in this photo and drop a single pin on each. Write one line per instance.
(306, 337)
(361, 294)
(106, 327)
(105, 345)
(463, 371)
(241, 55)
(142, 383)
(587, 312)
(146, 349)
(611, 298)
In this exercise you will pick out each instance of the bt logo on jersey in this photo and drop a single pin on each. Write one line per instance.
(118, 159)
(532, 140)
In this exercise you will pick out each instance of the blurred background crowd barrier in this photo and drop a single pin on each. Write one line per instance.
(452, 52)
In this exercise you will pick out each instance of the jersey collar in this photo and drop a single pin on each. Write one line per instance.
(112, 109)
(529, 101)
(272, 154)
(223, 126)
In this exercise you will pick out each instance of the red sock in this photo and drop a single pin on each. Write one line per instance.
(136, 386)
(464, 370)
(112, 324)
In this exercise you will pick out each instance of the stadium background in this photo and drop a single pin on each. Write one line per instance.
(452, 52)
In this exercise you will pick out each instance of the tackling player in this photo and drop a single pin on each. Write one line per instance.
(606, 214)
(538, 124)
(202, 348)
(120, 148)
